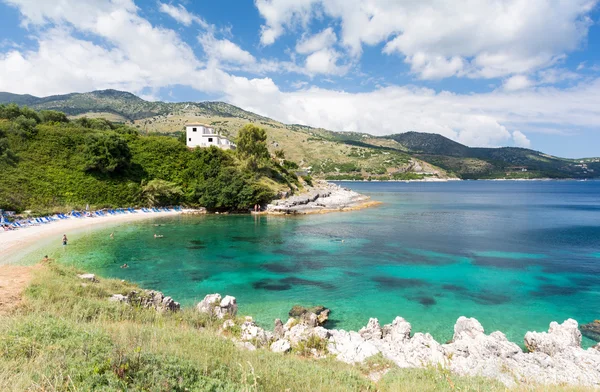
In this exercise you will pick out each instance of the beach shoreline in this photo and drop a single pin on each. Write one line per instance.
(15, 245)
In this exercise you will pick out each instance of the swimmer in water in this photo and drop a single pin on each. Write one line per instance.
(124, 266)
(112, 235)
(157, 236)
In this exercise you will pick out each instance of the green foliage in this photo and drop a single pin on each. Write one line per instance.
(279, 153)
(161, 193)
(52, 116)
(252, 146)
(66, 165)
(106, 153)
(407, 176)
(290, 165)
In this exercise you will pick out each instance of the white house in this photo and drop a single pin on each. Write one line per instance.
(202, 135)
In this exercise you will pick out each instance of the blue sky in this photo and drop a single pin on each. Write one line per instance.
(482, 72)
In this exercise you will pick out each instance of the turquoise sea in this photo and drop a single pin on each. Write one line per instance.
(515, 255)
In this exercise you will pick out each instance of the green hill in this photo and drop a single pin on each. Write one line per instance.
(49, 162)
(328, 154)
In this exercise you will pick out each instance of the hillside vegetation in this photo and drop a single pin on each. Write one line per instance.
(332, 155)
(67, 336)
(49, 162)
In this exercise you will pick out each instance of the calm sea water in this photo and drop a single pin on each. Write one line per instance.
(515, 255)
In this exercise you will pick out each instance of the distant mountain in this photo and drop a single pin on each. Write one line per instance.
(329, 154)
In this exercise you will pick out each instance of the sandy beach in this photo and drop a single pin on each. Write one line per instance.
(14, 244)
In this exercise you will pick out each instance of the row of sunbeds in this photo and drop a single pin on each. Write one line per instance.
(22, 223)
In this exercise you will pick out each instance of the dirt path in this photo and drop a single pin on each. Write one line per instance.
(13, 280)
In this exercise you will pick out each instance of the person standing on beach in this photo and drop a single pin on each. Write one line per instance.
(64, 239)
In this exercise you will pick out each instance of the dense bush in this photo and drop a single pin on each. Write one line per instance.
(48, 163)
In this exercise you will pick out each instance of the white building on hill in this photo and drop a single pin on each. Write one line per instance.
(201, 135)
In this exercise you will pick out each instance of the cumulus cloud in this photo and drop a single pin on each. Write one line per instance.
(181, 14)
(324, 62)
(224, 50)
(517, 82)
(439, 38)
(520, 139)
(317, 42)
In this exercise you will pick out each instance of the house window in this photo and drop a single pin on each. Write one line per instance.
(210, 139)
(193, 129)
(190, 139)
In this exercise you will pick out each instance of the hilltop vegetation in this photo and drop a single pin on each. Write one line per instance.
(50, 162)
(332, 155)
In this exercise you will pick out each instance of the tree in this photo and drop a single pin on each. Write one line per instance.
(160, 192)
(252, 145)
(52, 116)
(106, 153)
(280, 153)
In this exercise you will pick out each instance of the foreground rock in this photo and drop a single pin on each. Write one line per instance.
(323, 196)
(591, 330)
(314, 316)
(149, 299)
(213, 304)
(556, 357)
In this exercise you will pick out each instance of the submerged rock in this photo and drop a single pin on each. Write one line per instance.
(320, 312)
(591, 330)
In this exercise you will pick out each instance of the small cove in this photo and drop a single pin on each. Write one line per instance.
(515, 255)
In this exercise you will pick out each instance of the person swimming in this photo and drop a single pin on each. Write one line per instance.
(125, 266)
(158, 236)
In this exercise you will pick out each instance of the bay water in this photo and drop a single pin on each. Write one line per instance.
(515, 255)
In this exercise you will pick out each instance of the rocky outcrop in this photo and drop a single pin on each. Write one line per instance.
(322, 196)
(316, 314)
(558, 338)
(556, 357)
(253, 333)
(281, 346)
(591, 330)
(214, 305)
(149, 299)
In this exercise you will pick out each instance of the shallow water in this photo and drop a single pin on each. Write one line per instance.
(515, 255)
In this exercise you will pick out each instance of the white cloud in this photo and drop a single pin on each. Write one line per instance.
(520, 139)
(317, 42)
(517, 82)
(439, 38)
(324, 62)
(182, 15)
(224, 50)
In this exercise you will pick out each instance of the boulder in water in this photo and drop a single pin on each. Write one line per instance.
(591, 330)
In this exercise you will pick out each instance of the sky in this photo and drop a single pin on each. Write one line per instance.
(485, 73)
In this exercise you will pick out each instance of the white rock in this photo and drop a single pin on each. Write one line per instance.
(251, 331)
(558, 338)
(208, 304)
(467, 326)
(214, 305)
(89, 277)
(350, 347)
(372, 330)
(281, 346)
(228, 324)
(118, 298)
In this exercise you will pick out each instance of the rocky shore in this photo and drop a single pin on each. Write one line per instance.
(551, 358)
(320, 198)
